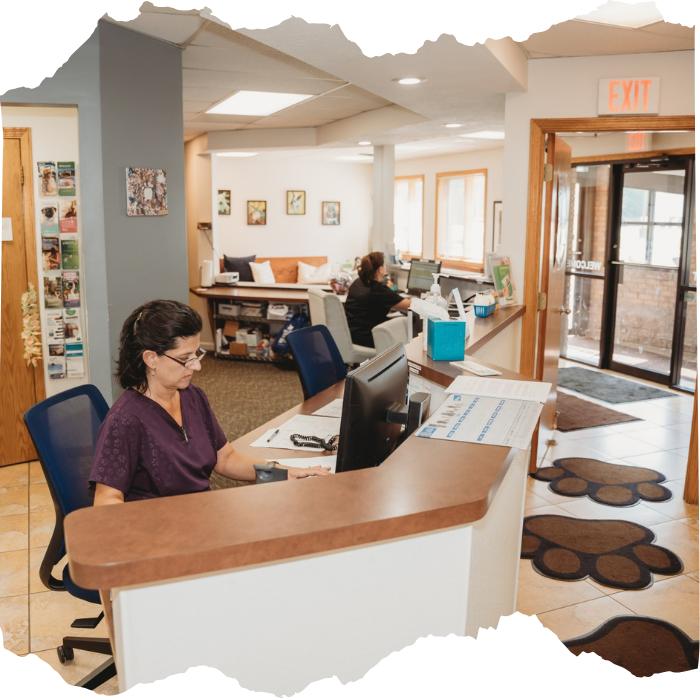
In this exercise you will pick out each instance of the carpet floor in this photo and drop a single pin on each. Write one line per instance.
(577, 414)
(607, 387)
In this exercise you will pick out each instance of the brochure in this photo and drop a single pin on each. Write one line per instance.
(52, 290)
(48, 181)
(68, 216)
(71, 289)
(56, 367)
(74, 360)
(50, 259)
(54, 325)
(503, 281)
(66, 178)
(56, 350)
(49, 217)
(72, 325)
(70, 259)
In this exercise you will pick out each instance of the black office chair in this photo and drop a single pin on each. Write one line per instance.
(317, 359)
(64, 429)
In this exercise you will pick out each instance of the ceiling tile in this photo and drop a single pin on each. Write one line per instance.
(675, 30)
(205, 94)
(176, 29)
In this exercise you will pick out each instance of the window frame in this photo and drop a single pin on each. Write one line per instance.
(461, 263)
(405, 255)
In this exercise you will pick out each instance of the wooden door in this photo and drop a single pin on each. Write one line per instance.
(556, 219)
(22, 385)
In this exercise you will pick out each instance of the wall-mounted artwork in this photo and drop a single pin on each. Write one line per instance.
(257, 213)
(296, 202)
(146, 192)
(224, 202)
(330, 213)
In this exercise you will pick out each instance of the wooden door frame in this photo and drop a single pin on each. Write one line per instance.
(539, 128)
(24, 134)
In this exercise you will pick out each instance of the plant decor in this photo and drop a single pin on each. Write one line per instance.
(31, 327)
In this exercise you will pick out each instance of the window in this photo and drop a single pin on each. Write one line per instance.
(408, 215)
(461, 223)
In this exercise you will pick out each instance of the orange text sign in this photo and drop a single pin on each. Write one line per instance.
(618, 96)
(638, 141)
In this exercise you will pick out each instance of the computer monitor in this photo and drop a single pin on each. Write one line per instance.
(420, 276)
(374, 410)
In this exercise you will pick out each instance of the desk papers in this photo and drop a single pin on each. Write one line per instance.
(500, 388)
(280, 438)
(334, 409)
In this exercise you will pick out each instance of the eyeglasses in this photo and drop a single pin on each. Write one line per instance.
(189, 363)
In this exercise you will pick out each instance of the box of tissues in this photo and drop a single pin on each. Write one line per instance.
(446, 339)
(484, 305)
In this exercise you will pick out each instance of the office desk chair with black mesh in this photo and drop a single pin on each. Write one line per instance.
(64, 430)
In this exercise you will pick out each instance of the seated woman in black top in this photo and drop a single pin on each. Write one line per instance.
(369, 300)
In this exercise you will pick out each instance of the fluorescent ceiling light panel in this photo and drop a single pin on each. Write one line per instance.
(493, 135)
(237, 154)
(364, 143)
(453, 126)
(257, 104)
(620, 14)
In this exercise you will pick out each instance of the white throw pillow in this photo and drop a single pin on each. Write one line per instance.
(262, 272)
(308, 274)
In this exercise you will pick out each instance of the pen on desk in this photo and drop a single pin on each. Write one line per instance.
(273, 436)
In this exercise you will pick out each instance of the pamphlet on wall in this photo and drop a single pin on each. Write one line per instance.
(503, 280)
(74, 360)
(71, 289)
(48, 181)
(57, 350)
(68, 216)
(50, 259)
(66, 178)
(54, 325)
(69, 251)
(71, 321)
(56, 367)
(49, 217)
(53, 298)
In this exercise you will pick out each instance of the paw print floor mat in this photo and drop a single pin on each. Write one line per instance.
(604, 482)
(642, 645)
(614, 553)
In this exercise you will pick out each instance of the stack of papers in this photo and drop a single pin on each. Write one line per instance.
(280, 438)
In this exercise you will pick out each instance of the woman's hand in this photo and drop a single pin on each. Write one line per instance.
(303, 472)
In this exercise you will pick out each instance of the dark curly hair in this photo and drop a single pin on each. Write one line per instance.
(369, 266)
(155, 326)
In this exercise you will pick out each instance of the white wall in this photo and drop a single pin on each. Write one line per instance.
(290, 235)
(54, 134)
(491, 159)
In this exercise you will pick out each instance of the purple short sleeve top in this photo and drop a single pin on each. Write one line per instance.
(144, 453)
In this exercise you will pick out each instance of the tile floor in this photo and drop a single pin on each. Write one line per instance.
(34, 620)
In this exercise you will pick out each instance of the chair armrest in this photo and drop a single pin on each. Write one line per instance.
(389, 333)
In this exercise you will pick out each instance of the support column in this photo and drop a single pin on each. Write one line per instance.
(383, 220)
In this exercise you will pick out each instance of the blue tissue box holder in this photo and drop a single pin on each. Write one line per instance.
(446, 339)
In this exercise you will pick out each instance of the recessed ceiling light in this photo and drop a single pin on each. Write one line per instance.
(453, 126)
(257, 104)
(408, 81)
(237, 154)
(494, 135)
(364, 143)
(620, 14)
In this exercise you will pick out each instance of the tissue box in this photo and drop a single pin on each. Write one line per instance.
(446, 339)
(482, 311)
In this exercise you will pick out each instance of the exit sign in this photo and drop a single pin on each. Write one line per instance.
(623, 96)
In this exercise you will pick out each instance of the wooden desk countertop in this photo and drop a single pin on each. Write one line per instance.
(425, 485)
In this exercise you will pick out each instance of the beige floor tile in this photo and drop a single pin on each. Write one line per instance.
(632, 426)
(538, 594)
(14, 573)
(577, 448)
(693, 575)
(681, 452)
(14, 475)
(618, 446)
(584, 433)
(582, 618)
(672, 466)
(693, 522)
(14, 621)
(546, 510)
(36, 556)
(51, 614)
(14, 532)
(664, 438)
(676, 508)
(41, 525)
(36, 474)
(14, 500)
(674, 600)
(532, 501)
(40, 498)
(542, 491)
(682, 540)
(584, 507)
(74, 671)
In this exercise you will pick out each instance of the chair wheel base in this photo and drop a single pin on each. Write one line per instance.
(65, 654)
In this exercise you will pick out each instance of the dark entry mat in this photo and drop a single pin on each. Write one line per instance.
(610, 484)
(576, 414)
(614, 553)
(607, 387)
(642, 645)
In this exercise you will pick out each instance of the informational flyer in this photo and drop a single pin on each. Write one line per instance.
(56, 350)
(50, 259)
(70, 258)
(48, 215)
(483, 420)
(68, 216)
(500, 388)
(56, 367)
(48, 180)
(72, 325)
(53, 298)
(503, 281)
(54, 325)
(71, 289)
(74, 360)
(66, 178)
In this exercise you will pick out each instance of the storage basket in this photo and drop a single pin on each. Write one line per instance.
(484, 311)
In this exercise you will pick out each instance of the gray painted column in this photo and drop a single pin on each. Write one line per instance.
(383, 220)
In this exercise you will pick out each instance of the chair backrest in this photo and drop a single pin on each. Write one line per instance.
(327, 310)
(64, 429)
(317, 358)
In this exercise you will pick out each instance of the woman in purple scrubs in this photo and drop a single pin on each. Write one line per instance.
(161, 438)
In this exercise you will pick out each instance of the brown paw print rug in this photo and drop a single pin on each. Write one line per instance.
(614, 553)
(642, 645)
(610, 484)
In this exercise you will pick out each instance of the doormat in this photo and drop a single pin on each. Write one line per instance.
(610, 484)
(576, 414)
(642, 645)
(606, 387)
(614, 553)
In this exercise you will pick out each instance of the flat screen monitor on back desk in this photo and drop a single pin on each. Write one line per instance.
(420, 275)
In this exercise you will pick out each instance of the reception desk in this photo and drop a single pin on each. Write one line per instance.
(282, 584)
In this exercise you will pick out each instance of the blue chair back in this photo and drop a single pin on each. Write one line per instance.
(64, 430)
(317, 358)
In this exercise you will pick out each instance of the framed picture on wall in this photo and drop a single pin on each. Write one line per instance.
(146, 192)
(330, 213)
(224, 202)
(296, 202)
(257, 213)
(497, 217)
